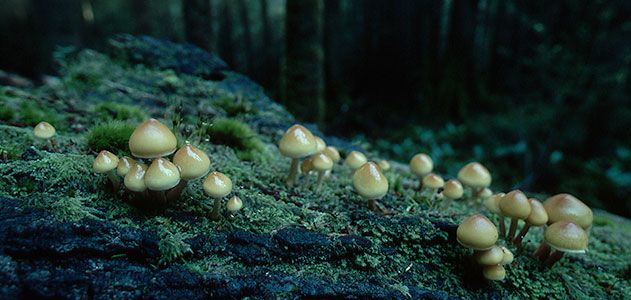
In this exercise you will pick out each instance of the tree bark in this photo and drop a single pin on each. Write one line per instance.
(197, 22)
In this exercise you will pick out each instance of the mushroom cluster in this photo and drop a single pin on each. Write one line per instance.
(162, 181)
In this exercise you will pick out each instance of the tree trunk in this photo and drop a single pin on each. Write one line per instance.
(197, 22)
(247, 38)
(304, 59)
(140, 13)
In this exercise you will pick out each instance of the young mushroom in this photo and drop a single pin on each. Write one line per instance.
(320, 144)
(332, 153)
(420, 165)
(161, 176)
(492, 204)
(452, 190)
(124, 165)
(370, 183)
(538, 217)
(296, 143)
(384, 165)
(494, 273)
(475, 176)
(217, 185)
(489, 257)
(477, 232)
(508, 256)
(193, 163)
(234, 204)
(151, 139)
(106, 162)
(564, 236)
(431, 183)
(354, 160)
(515, 205)
(44, 131)
(135, 181)
(321, 164)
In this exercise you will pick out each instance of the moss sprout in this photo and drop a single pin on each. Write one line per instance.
(238, 136)
(112, 136)
(172, 246)
(108, 111)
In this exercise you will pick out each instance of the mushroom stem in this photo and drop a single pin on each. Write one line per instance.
(513, 228)
(543, 251)
(447, 203)
(175, 192)
(320, 179)
(553, 258)
(502, 226)
(160, 197)
(522, 233)
(214, 215)
(293, 171)
(113, 179)
(371, 204)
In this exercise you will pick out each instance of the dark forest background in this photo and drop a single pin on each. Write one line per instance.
(537, 90)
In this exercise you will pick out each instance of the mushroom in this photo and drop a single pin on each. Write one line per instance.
(475, 176)
(508, 256)
(296, 143)
(370, 183)
(354, 160)
(135, 180)
(493, 205)
(564, 236)
(162, 175)
(477, 232)
(485, 193)
(495, 272)
(151, 139)
(431, 183)
(515, 205)
(44, 131)
(193, 163)
(452, 190)
(537, 217)
(234, 204)
(420, 165)
(384, 165)
(489, 257)
(217, 185)
(332, 153)
(106, 162)
(320, 144)
(321, 163)
(124, 165)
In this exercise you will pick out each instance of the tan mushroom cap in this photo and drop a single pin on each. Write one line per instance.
(192, 162)
(492, 256)
(43, 130)
(369, 182)
(217, 185)
(453, 189)
(474, 175)
(355, 159)
(384, 165)
(515, 204)
(495, 272)
(151, 139)
(508, 256)
(135, 178)
(105, 162)
(421, 164)
(162, 175)
(433, 181)
(566, 237)
(320, 144)
(307, 165)
(332, 153)
(477, 232)
(234, 204)
(321, 162)
(124, 165)
(538, 215)
(493, 203)
(297, 142)
(565, 207)
(485, 193)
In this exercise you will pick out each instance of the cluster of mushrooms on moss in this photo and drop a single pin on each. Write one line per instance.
(162, 181)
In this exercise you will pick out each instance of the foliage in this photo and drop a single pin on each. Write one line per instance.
(112, 136)
(238, 136)
(108, 111)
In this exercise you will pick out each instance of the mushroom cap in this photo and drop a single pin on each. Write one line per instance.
(234, 204)
(508, 256)
(297, 142)
(369, 182)
(307, 165)
(320, 144)
(475, 175)
(162, 175)
(332, 153)
(565, 207)
(43, 130)
(217, 185)
(566, 237)
(477, 232)
(485, 193)
(515, 204)
(135, 178)
(453, 189)
(495, 272)
(321, 162)
(192, 162)
(124, 165)
(384, 165)
(421, 164)
(493, 203)
(151, 139)
(491, 256)
(355, 159)
(105, 162)
(433, 181)
(538, 215)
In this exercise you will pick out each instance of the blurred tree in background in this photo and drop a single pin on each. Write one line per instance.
(537, 90)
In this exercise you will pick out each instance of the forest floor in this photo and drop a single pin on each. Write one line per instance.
(65, 234)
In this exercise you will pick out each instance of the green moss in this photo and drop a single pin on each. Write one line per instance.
(234, 106)
(70, 209)
(108, 111)
(172, 246)
(6, 113)
(112, 136)
(238, 136)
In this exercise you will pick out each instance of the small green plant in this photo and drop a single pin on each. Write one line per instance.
(108, 111)
(172, 246)
(234, 106)
(112, 136)
(238, 136)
